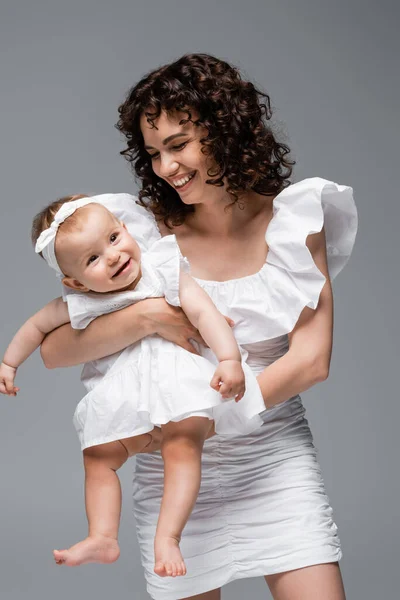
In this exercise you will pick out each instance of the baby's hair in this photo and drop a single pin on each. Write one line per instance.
(45, 217)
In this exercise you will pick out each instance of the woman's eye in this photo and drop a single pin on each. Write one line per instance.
(154, 156)
(91, 259)
(180, 146)
(113, 237)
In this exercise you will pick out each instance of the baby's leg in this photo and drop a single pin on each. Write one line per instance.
(103, 502)
(181, 448)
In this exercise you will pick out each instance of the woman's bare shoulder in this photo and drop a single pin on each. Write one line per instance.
(179, 231)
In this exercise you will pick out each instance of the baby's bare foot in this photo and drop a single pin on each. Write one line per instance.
(168, 558)
(94, 549)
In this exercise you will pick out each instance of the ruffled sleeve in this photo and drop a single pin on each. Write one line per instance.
(267, 304)
(302, 209)
(167, 260)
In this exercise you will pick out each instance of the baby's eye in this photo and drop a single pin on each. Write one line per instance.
(91, 259)
(113, 237)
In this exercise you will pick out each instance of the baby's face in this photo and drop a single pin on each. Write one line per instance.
(98, 255)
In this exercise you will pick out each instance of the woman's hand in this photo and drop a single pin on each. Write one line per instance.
(66, 347)
(171, 323)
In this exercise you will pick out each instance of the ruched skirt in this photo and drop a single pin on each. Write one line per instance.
(262, 508)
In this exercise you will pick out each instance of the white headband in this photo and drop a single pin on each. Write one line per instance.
(46, 241)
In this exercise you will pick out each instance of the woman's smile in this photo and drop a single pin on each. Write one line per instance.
(183, 183)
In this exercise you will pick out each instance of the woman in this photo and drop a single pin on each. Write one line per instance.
(213, 174)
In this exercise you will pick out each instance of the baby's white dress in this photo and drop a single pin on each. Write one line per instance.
(262, 506)
(153, 381)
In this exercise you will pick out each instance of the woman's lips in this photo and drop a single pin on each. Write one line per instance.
(187, 185)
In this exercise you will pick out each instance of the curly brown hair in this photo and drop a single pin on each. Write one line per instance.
(235, 115)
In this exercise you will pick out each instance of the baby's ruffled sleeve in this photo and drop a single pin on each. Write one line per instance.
(167, 260)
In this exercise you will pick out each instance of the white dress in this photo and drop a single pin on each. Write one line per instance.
(262, 507)
(153, 381)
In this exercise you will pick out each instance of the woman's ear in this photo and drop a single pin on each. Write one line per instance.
(74, 284)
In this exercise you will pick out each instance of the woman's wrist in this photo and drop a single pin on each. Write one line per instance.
(147, 316)
(110, 333)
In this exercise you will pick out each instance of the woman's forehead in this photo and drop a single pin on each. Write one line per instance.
(165, 125)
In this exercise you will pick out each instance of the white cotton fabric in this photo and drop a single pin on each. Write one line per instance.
(47, 239)
(262, 507)
(151, 382)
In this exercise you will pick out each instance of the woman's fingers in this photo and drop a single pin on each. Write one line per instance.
(187, 345)
(197, 338)
(230, 321)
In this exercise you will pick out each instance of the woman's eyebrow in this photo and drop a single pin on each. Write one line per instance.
(167, 140)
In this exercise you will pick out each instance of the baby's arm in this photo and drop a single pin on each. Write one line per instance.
(27, 339)
(214, 329)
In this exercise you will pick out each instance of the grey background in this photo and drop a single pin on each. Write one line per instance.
(330, 69)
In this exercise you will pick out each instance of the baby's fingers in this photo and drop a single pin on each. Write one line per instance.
(215, 382)
(10, 386)
(239, 396)
(238, 391)
(226, 390)
(7, 387)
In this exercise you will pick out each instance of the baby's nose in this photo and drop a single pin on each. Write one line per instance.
(113, 257)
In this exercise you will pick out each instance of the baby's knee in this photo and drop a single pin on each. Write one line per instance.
(111, 455)
(178, 446)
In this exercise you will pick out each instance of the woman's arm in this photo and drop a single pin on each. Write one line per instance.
(310, 343)
(113, 332)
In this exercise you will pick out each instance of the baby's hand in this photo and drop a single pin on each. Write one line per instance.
(229, 379)
(7, 376)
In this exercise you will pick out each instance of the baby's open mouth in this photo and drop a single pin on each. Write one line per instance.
(124, 266)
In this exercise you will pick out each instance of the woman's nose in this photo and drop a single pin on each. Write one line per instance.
(168, 166)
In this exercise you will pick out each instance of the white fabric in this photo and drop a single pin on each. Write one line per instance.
(262, 507)
(151, 382)
(47, 239)
(268, 304)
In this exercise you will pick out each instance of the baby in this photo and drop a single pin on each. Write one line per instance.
(151, 384)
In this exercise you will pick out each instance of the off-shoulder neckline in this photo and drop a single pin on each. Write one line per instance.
(245, 278)
(236, 279)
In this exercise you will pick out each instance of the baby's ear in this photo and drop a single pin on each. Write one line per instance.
(74, 284)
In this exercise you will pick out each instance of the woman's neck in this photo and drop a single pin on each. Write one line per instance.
(225, 218)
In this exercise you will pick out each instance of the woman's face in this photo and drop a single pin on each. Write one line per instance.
(176, 157)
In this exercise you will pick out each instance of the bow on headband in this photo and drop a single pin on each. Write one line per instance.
(46, 241)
